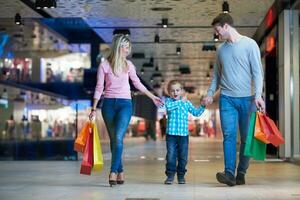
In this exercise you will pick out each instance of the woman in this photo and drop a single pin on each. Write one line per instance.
(117, 105)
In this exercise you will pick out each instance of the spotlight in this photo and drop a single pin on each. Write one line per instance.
(18, 19)
(216, 37)
(178, 50)
(39, 4)
(225, 7)
(121, 32)
(164, 22)
(53, 4)
(207, 76)
(151, 60)
(142, 71)
(156, 38)
(209, 47)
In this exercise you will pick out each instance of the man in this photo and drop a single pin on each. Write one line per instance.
(237, 69)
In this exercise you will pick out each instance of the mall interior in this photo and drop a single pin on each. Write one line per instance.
(50, 51)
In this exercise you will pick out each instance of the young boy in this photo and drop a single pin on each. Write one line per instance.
(177, 134)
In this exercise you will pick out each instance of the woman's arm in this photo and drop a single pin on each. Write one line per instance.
(98, 90)
(137, 83)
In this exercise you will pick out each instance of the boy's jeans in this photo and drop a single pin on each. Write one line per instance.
(234, 112)
(177, 149)
(116, 114)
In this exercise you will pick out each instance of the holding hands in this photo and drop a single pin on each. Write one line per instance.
(207, 100)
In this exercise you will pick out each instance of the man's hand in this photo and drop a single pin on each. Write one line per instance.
(260, 104)
(207, 100)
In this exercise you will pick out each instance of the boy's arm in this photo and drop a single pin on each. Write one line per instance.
(195, 111)
(172, 105)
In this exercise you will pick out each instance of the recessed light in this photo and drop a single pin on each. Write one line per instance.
(161, 8)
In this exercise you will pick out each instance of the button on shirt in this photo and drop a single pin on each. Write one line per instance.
(177, 111)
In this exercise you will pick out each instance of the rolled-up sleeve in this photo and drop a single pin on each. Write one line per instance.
(135, 79)
(100, 82)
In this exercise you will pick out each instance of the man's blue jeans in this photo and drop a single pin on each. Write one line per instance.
(116, 114)
(177, 149)
(235, 112)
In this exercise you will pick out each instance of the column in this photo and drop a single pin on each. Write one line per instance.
(288, 41)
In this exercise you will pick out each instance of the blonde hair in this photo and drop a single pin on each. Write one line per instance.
(114, 58)
(173, 82)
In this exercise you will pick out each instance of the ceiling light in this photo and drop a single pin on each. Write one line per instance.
(207, 76)
(121, 32)
(39, 4)
(156, 38)
(209, 47)
(142, 71)
(18, 19)
(225, 7)
(178, 50)
(216, 37)
(53, 4)
(151, 60)
(164, 22)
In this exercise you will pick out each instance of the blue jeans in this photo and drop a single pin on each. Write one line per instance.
(116, 114)
(177, 150)
(235, 112)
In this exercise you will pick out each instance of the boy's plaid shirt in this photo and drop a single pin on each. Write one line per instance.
(177, 111)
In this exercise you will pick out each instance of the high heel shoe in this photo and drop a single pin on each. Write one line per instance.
(112, 179)
(120, 178)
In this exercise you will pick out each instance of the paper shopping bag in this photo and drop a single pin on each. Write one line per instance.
(273, 134)
(97, 151)
(87, 159)
(259, 134)
(82, 137)
(254, 148)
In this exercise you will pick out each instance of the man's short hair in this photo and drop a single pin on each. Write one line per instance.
(221, 19)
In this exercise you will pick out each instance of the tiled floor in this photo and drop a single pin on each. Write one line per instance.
(144, 168)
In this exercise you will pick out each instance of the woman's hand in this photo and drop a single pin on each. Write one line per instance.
(157, 101)
(92, 115)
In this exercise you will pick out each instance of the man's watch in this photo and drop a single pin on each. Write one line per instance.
(93, 109)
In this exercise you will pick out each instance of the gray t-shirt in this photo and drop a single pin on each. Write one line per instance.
(238, 68)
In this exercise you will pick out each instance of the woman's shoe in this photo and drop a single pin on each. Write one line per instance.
(120, 178)
(112, 179)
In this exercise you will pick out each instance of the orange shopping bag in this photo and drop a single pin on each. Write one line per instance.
(82, 137)
(258, 132)
(88, 158)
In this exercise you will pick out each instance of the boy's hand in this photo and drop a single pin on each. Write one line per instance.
(184, 99)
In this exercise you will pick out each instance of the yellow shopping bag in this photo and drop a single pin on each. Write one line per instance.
(98, 158)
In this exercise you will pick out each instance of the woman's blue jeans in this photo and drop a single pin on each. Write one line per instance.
(235, 112)
(116, 114)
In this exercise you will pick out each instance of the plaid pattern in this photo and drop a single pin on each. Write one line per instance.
(177, 111)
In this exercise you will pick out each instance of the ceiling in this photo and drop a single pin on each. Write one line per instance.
(191, 29)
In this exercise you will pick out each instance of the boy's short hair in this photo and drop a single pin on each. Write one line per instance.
(173, 82)
(221, 19)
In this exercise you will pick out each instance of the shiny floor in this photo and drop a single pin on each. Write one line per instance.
(144, 168)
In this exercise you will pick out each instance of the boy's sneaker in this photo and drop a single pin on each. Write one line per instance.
(169, 180)
(181, 180)
(227, 179)
(240, 179)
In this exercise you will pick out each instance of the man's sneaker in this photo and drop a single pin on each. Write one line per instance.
(227, 179)
(181, 180)
(240, 179)
(169, 180)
